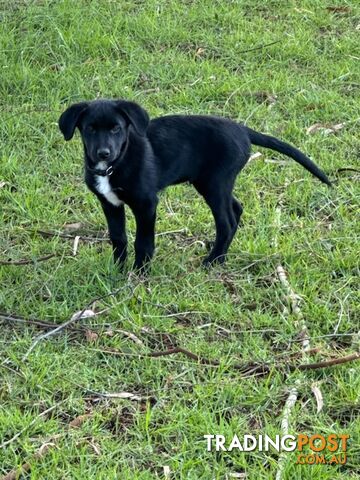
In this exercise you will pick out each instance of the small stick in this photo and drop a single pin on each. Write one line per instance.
(76, 245)
(7, 442)
(38, 323)
(259, 47)
(43, 450)
(348, 169)
(90, 238)
(25, 261)
(73, 319)
(328, 363)
(71, 237)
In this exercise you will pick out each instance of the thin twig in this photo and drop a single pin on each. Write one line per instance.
(90, 238)
(348, 169)
(259, 47)
(43, 450)
(25, 261)
(328, 363)
(130, 335)
(329, 335)
(71, 237)
(17, 435)
(38, 323)
(25, 467)
(73, 319)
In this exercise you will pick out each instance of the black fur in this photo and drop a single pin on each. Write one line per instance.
(146, 156)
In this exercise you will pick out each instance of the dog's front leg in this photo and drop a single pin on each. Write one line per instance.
(145, 216)
(115, 217)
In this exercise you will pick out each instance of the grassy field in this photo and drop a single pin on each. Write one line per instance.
(280, 66)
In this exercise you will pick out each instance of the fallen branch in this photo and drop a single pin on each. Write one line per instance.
(295, 308)
(294, 391)
(245, 368)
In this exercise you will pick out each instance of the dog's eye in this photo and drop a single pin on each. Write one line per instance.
(90, 129)
(115, 129)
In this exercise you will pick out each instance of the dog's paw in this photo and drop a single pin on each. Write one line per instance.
(209, 244)
(211, 260)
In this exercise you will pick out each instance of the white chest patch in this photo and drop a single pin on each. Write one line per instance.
(104, 188)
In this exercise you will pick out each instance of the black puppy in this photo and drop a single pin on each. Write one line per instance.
(129, 159)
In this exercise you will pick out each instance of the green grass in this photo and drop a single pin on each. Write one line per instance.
(178, 57)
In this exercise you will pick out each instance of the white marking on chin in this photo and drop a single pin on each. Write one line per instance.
(104, 188)
(101, 166)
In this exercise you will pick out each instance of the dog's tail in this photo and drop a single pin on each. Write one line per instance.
(267, 141)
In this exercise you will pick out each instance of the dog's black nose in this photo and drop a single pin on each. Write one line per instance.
(103, 153)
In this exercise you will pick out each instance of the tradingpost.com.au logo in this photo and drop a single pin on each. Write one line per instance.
(329, 449)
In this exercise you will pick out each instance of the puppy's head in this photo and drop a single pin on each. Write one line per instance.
(103, 125)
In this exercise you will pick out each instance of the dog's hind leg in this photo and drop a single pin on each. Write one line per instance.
(237, 210)
(221, 205)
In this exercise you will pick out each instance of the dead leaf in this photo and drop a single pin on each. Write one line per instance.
(199, 51)
(146, 329)
(78, 421)
(303, 10)
(130, 335)
(167, 472)
(15, 474)
(277, 162)
(95, 446)
(12, 188)
(255, 155)
(325, 128)
(266, 97)
(319, 398)
(72, 226)
(109, 333)
(338, 9)
(91, 336)
(83, 314)
(25, 467)
(45, 447)
(123, 395)
(237, 475)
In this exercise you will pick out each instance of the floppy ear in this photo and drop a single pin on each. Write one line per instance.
(136, 115)
(70, 118)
